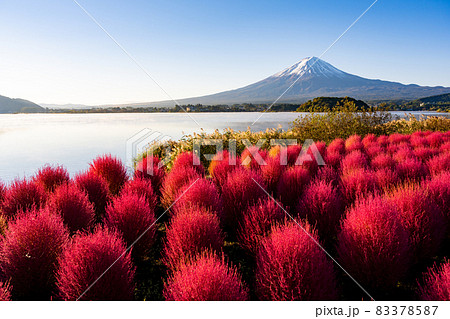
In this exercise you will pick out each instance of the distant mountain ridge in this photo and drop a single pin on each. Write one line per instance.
(8, 105)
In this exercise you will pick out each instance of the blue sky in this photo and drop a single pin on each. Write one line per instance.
(51, 52)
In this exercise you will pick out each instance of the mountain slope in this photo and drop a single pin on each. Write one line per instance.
(8, 105)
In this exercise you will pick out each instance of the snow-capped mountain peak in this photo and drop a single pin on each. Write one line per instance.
(311, 66)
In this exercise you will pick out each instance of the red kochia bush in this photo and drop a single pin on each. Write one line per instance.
(131, 215)
(190, 232)
(436, 283)
(84, 262)
(31, 247)
(202, 193)
(322, 205)
(221, 165)
(5, 294)
(22, 195)
(439, 163)
(257, 223)
(411, 169)
(291, 266)
(2, 193)
(97, 190)
(421, 218)
(188, 160)
(142, 187)
(151, 168)
(374, 244)
(292, 183)
(353, 143)
(438, 189)
(74, 207)
(176, 180)
(383, 161)
(271, 173)
(206, 277)
(386, 178)
(51, 177)
(358, 183)
(239, 192)
(248, 159)
(354, 160)
(112, 170)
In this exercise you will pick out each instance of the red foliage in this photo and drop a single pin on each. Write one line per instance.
(5, 293)
(439, 163)
(354, 161)
(248, 159)
(221, 165)
(386, 178)
(134, 219)
(353, 143)
(398, 138)
(51, 177)
(176, 180)
(206, 277)
(436, 283)
(22, 195)
(374, 244)
(151, 168)
(384, 160)
(271, 173)
(358, 183)
(74, 207)
(97, 190)
(188, 160)
(84, 262)
(292, 183)
(112, 170)
(421, 218)
(336, 146)
(423, 153)
(322, 205)
(438, 189)
(190, 232)
(374, 150)
(411, 169)
(291, 266)
(369, 139)
(435, 139)
(141, 187)
(203, 193)
(328, 175)
(29, 253)
(241, 190)
(257, 223)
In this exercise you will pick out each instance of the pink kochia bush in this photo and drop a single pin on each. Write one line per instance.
(439, 163)
(322, 205)
(176, 180)
(188, 160)
(271, 173)
(150, 167)
(358, 183)
(190, 232)
(133, 218)
(436, 283)
(203, 193)
(97, 190)
(141, 187)
(241, 190)
(29, 253)
(51, 177)
(250, 158)
(5, 294)
(221, 165)
(373, 245)
(22, 195)
(292, 183)
(112, 170)
(421, 218)
(206, 277)
(291, 266)
(438, 189)
(84, 262)
(257, 223)
(74, 207)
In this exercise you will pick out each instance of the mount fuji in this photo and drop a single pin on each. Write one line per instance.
(310, 78)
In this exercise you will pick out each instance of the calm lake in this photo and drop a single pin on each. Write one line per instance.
(29, 141)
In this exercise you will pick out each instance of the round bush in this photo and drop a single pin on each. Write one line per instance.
(5, 293)
(424, 154)
(353, 143)
(329, 175)
(293, 182)
(221, 165)
(373, 245)
(134, 219)
(438, 189)
(74, 207)
(85, 260)
(206, 278)
(241, 190)
(202, 193)
(386, 178)
(291, 153)
(97, 190)
(336, 146)
(190, 232)
(176, 180)
(188, 160)
(291, 266)
(411, 169)
(22, 195)
(271, 173)
(435, 139)
(439, 163)
(358, 183)
(29, 254)
(249, 161)
(384, 161)
(151, 168)
(436, 283)
(112, 170)
(322, 205)
(51, 177)
(353, 161)
(257, 223)
(141, 187)
(421, 218)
